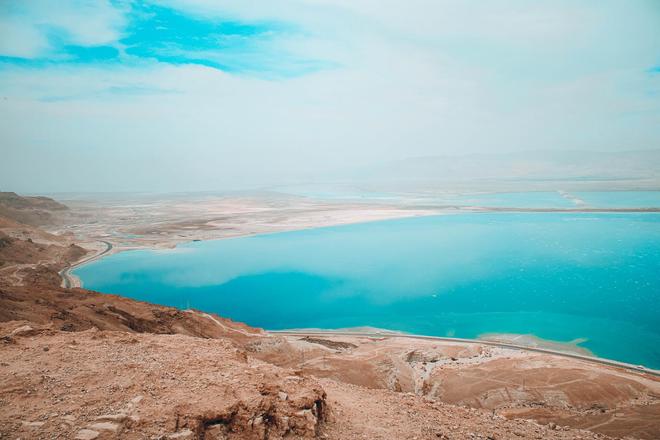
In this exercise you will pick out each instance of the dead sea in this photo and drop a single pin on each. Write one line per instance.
(557, 276)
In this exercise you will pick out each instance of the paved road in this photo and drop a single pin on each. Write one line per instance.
(611, 363)
(67, 281)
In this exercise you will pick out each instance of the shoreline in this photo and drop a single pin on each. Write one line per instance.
(441, 211)
(392, 334)
(71, 281)
(531, 340)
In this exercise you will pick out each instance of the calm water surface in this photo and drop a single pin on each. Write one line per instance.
(620, 199)
(557, 276)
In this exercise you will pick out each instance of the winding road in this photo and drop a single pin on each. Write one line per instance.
(67, 279)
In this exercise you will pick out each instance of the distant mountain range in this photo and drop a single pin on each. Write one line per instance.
(615, 170)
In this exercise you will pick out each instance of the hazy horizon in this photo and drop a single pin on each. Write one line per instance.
(173, 96)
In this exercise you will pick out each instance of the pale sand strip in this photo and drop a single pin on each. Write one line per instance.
(389, 334)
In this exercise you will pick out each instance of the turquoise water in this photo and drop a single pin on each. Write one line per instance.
(620, 199)
(537, 199)
(555, 275)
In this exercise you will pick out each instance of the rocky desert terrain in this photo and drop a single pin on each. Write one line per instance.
(84, 365)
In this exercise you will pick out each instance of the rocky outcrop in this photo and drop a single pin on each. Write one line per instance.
(276, 414)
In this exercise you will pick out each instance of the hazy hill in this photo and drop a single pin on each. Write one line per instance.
(619, 170)
(34, 211)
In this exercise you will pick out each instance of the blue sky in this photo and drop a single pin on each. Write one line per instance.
(144, 32)
(235, 92)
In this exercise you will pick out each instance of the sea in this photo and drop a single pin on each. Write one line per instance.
(582, 278)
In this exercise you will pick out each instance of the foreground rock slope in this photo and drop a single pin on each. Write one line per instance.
(107, 384)
(114, 384)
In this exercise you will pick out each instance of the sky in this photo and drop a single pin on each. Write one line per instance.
(184, 95)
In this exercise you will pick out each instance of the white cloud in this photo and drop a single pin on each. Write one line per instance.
(25, 26)
(88, 23)
(20, 40)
